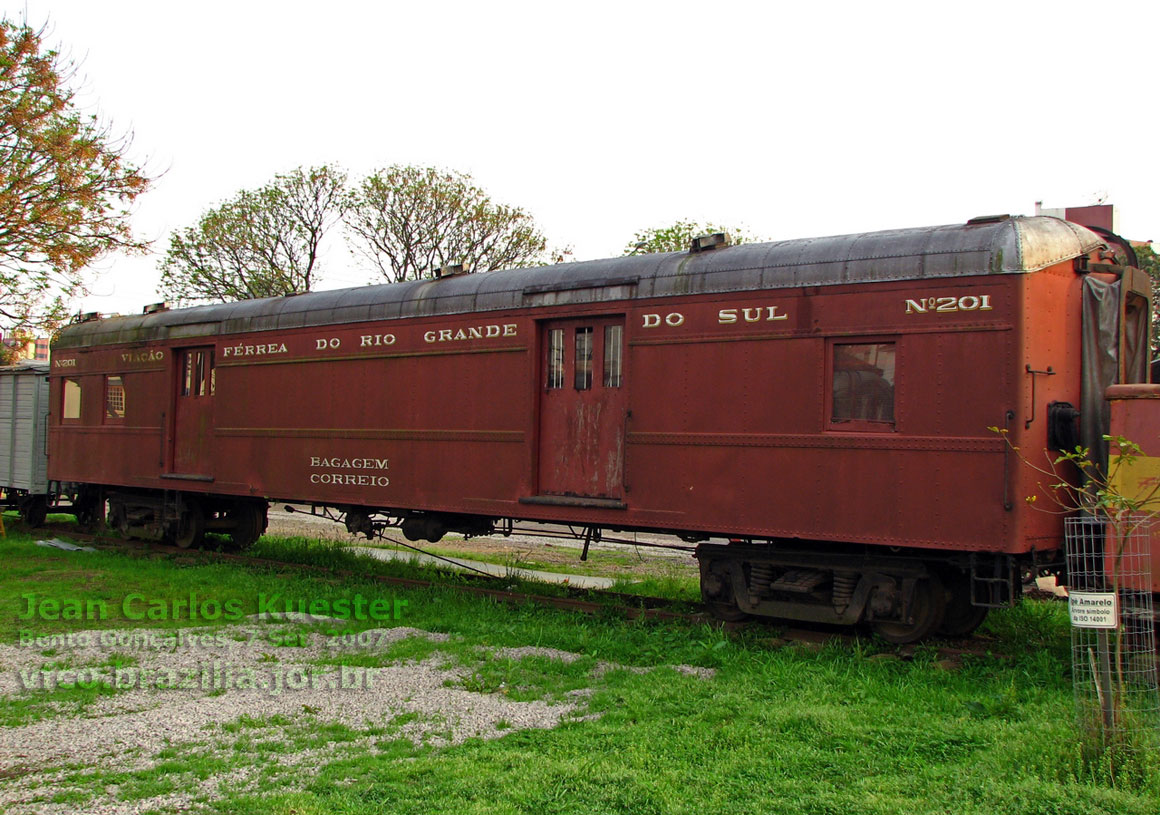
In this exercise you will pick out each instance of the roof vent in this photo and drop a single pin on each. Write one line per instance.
(988, 219)
(153, 308)
(703, 243)
(87, 317)
(452, 269)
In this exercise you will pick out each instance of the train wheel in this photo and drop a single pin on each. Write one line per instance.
(118, 517)
(250, 523)
(927, 611)
(34, 510)
(961, 617)
(89, 507)
(190, 526)
(726, 612)
(717, 593)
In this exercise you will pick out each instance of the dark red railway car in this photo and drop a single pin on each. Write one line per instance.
(824, 404)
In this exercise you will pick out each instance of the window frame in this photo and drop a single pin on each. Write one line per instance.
(584, 357)
(65, 418)
(613, 361)
(862, 425)
(112, 418)
(556, 362)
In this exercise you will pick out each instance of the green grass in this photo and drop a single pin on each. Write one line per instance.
(793, 729)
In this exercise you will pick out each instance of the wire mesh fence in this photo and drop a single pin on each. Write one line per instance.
(1113, 636)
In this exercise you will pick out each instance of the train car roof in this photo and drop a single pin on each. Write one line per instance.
(25, 366)
(1000, 245)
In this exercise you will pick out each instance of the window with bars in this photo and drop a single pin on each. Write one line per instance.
(555, 359)
(198, 375)
(613, 359)
(114, 399)
(584, 358)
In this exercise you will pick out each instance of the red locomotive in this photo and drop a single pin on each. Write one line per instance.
(823, 404)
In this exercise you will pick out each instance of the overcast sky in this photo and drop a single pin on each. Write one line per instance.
(601, 119)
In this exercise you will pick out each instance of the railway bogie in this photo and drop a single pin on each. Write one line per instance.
(183, 519)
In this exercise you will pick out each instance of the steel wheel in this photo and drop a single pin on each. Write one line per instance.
(927, 611)
(717, 594)
(34, 509)
(250, 523)
(961, 617)
(190, 527)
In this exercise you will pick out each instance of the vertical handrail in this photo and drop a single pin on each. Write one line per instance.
(1008, 504)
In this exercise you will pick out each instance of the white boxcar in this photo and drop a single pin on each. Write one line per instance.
(23, 439)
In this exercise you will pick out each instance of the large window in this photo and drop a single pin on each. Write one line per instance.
(864, 384)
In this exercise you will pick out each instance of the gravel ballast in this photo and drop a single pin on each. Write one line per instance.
(193, 692)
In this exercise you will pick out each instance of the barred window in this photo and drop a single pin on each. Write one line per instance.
(583, 358)
(555, 359)
(114, 398)
(613, 359)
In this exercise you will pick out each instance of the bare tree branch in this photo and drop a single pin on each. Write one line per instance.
(406, 220)
(260, 243)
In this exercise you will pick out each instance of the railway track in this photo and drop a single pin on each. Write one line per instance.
(630, 606)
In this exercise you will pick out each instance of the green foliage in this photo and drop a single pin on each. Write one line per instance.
(65, 186)
(677, 237)
(1149, 261)
(405, 220)
(1095, 491)
(260, 243)
(777, 729)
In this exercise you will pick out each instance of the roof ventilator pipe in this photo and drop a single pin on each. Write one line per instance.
(451, 269)
(704, 243)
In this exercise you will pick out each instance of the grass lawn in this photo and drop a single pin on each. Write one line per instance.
(841, 728)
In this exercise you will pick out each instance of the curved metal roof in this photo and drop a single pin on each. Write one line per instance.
(24, 365)
(989, 246)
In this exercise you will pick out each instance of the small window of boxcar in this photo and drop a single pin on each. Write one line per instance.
(207, 374)
(114, 399)
(613, 360)
(198, 374)
(864, 384)
(583, 358)
(555, 359)
(72, 400)
(187, 373)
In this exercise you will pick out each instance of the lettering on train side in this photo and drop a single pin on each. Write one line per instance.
(328, 470)
(137, 357)
(755, 314)
(475, 332)
(263, 349)
(672, 319)
(949, 304)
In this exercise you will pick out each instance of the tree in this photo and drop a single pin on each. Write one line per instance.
(260, 243)
(676, 238)
(65, 185)
(1150, 262)
(405, 220)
